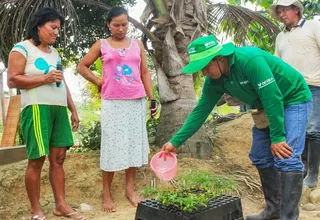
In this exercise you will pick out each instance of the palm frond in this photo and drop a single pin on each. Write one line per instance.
(229, 20)
(14, 16)
(106, 7)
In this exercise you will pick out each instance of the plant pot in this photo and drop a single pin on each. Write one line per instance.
(220, 208)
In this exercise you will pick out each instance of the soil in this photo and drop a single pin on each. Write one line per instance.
(84, 180)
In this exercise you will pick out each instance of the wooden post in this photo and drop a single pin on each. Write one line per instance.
(12, 122)
(2, 97)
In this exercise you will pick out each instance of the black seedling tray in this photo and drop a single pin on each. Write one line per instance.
(220, 208)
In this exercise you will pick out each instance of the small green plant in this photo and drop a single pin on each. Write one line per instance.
(205, 180)
(149, 191)
(194, 189)
(188, 200)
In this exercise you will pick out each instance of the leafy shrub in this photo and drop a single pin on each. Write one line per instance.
(19, 137)
(79, 149)
(152, 125)
(90, 135)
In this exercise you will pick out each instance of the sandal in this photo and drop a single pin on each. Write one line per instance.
(73, 215)
(36, 217)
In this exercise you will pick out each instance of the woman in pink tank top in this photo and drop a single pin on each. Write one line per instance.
(124, 86)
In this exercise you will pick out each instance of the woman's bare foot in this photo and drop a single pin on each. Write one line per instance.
(108, 205)
(133, 198)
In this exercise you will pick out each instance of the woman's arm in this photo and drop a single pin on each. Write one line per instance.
(72, 108)
(145, 75)
(87, 61)
(17, 79)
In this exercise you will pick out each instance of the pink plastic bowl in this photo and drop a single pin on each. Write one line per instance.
(164, 169)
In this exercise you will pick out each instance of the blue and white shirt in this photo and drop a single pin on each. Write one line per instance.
(39, 63)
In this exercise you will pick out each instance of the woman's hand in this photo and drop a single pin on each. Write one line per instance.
(53, 76)
(99, 84)
(281, 150)
(74, 121)
(153, 108)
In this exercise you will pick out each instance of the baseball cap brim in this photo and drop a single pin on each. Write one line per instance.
(197, 65)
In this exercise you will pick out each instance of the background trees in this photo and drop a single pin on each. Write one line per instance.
(169, 26)
(84, 24)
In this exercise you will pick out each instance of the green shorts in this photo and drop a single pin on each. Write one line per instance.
(45, 126)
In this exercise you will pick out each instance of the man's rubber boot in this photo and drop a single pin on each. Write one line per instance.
(270, 181)
(291, 189)
(304, 158)
(311, 180)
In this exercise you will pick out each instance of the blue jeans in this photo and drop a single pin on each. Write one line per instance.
(313, 128)
(295, 119)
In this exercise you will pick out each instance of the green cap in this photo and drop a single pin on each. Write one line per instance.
(202, 50)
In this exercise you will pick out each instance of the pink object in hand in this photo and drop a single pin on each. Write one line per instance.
(165, 169)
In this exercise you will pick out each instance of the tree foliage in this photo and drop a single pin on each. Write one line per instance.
(170, 25)
(237, 21)
(312, 8)
(84, 24)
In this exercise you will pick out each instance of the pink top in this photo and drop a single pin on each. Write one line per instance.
(121, 72)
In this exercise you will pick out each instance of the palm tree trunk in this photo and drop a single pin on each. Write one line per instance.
(176, 90)
(173, 115)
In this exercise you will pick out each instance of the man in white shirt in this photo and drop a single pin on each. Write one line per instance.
(298, 45)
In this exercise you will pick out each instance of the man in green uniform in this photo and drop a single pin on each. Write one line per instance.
(277, 91)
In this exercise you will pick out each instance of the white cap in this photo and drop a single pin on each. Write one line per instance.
(273, 7)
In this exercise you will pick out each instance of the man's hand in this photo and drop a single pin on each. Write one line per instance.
(281, 150)
(74, 121)
(168, 147)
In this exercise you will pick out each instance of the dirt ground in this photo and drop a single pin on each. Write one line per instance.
(84, 180)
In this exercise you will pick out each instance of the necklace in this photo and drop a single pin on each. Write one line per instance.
(122, 51)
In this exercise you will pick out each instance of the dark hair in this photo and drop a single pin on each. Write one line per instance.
(115, 12)
(292, 7)
(39, 18)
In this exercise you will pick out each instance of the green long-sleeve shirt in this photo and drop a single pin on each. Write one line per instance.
(256, 78)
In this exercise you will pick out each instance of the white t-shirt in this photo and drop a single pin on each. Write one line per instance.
(300, 47)
(38, 63)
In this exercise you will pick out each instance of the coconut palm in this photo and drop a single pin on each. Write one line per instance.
(170, 25)
(82, 21)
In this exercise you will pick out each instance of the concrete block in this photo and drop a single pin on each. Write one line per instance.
(12, 154)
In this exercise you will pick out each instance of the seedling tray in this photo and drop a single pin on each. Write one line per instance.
(220, 208)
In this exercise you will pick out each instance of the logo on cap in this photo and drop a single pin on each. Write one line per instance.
(192, 50)
(210, 44)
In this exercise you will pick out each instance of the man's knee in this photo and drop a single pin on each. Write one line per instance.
(290, 164)
(261, 163)
(261, 157)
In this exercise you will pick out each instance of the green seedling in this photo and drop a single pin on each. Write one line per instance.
(194, 190)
